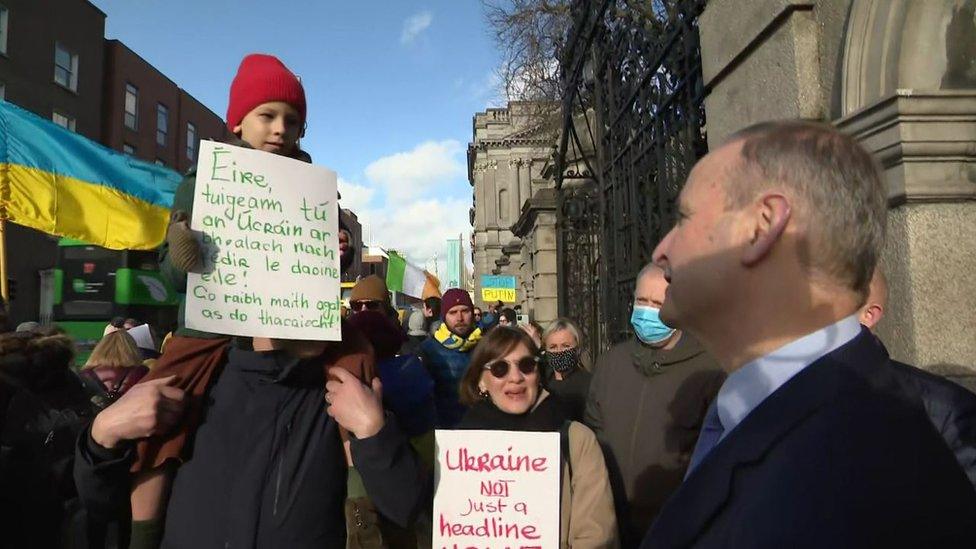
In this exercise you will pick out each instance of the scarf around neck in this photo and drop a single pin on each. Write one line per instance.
(452, 341)
(547, 415)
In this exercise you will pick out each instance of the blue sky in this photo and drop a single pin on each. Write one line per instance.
(391, 89)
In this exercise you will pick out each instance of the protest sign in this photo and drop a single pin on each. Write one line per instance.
(496, 490)
(143, 337)
(498, 288)
(269, 229)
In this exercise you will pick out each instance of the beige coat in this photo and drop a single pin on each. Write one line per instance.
(587, 518)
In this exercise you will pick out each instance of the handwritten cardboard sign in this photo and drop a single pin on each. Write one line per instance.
(496, 490)
(269, 229)
(498, 288)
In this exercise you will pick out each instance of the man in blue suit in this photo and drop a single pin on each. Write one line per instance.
(811, 441)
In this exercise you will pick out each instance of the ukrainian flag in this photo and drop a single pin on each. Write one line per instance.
(62, 183)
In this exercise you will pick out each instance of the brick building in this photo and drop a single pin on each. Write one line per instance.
(51, 63)
(147, 115)
(56, 63)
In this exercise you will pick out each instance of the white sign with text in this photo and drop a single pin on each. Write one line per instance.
(496, 489)
(268, 226)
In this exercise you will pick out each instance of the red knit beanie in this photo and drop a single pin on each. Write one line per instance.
(453, 298)
(262, 79)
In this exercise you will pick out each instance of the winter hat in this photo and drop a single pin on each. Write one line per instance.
(28, 326)
(415, 324)
(371, 288)
(453, 298)
(262, 79)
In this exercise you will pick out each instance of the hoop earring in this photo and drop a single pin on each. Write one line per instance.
(483, 394)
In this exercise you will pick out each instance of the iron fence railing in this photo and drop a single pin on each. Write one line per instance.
(633, 126)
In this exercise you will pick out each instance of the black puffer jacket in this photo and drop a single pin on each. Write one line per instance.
(40, 422)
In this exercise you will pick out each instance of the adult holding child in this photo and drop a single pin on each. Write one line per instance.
(268, 466)
(503, 388)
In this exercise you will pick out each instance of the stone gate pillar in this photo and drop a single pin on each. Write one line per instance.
(900, 75)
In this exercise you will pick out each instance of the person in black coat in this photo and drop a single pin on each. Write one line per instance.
(950, 407)
(812, 440)
(43, 407)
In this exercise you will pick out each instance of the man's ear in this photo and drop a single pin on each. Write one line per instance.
(770, 216)
(871, 315)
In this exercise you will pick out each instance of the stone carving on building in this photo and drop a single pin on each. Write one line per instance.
(507, 158)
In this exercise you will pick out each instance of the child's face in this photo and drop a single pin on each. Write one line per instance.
(272, 127)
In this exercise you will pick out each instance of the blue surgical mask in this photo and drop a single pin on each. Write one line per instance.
(648, 326)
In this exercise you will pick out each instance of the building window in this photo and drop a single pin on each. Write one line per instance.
(131, 106)
(162, 122)
(128, 149)
(3, 30)
(191, 141)
(63, 120)
(503, 205)
(65, 67)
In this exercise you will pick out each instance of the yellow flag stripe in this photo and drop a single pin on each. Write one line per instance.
(95, 213)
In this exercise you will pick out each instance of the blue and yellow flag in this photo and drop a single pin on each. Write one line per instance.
(62, 183)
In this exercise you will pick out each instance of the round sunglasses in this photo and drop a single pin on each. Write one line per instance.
(499, 367)
(365, 305)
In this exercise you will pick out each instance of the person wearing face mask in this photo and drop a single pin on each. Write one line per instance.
(565, 376)
(647, 400)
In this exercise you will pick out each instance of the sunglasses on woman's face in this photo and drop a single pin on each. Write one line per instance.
(364, 305)
(499, 368)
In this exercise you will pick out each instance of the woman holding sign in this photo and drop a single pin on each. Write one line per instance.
(503, 388)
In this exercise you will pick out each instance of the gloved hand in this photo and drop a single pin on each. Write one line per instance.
(184, 250)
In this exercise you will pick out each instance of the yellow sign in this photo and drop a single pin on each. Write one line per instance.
(506, 295)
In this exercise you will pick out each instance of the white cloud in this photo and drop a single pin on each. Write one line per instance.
(414, 25)
(419, 228)
(355, 197)
(410, 174)
(414, 201)
(486, 92)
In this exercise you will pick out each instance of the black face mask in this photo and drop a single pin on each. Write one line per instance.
(563, 361)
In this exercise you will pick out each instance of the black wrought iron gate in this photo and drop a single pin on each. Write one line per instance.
(633, 126)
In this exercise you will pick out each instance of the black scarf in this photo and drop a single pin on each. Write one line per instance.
(548, 415)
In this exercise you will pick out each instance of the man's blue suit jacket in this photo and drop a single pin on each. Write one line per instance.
(842, 455)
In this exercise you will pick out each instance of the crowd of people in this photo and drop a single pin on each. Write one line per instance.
(753, 406)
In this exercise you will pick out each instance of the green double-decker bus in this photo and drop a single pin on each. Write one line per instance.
(94, 284)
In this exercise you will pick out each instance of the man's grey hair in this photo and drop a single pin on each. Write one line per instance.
(645, 270)
(563, 324)
(840, 196)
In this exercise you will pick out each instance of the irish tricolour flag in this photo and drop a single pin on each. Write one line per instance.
(405, 278)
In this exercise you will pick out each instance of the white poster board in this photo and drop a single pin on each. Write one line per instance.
(496, 490)
(268, 226)
(143, 337)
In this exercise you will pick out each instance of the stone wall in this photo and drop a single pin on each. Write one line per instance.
(900, 75)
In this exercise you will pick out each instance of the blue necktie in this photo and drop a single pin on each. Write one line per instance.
(709, 436)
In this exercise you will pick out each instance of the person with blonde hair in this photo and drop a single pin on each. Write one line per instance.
(114, 366)
(565, 376)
